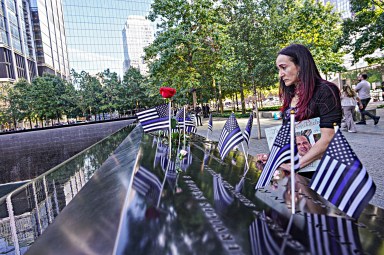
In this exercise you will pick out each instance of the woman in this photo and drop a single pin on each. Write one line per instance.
(348, 103)
(303, 89)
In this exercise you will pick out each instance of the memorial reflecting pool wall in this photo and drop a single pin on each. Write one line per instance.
(142, 201)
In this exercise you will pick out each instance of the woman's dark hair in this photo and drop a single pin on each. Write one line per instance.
(308, 76)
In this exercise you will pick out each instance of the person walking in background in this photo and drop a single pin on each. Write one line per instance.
(348, 103)
(204, 111)
(382, 89)
(363, 90)
(198, 116)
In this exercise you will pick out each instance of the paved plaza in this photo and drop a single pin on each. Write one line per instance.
(367, 143)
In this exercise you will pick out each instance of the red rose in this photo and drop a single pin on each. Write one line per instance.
(167, 92)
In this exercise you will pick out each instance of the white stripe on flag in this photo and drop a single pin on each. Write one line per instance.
(356, 202)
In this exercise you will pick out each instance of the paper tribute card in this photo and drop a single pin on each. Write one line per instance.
(307, 133)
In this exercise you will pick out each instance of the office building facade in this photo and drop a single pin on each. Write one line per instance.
(32, 40)
(17, 55)
(50, 37)
(138, 33)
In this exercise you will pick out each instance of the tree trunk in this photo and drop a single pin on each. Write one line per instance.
(214, 90)
(237, 102)
(242, 97)
(194, 98)
(220, 99)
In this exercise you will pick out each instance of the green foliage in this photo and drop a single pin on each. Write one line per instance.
(270, 108)
(226, 114)
(363, 33)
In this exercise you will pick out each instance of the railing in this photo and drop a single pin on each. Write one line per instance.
(26, 212)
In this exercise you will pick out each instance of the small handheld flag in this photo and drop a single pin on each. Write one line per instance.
(155, 118)
(210, 126)
(280, 153)
(230, 136)
(248, 129)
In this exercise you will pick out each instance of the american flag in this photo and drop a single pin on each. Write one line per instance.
(332, 235)
(280, 153)
(221, 196)
(153, 119)
(342, 179)
(210, 125)
(248, 129)
(230, 136)
(147, 184)
(190, 126)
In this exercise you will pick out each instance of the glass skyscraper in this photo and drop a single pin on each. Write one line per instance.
(50, 37)
(32, 40)
(94, 32)
(341, 6)
(17, 55)
(137, 34)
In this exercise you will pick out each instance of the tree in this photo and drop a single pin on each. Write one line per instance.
(183, 44)
(110, 83)
(132, 92)
(316, 26)
(90, 91)
(363, 33)
(20, 102)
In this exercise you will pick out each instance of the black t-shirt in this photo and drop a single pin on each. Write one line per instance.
(325, 104)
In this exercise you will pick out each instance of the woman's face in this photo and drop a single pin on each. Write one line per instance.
(288, 71)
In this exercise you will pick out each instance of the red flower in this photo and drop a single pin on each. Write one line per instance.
(167, 92)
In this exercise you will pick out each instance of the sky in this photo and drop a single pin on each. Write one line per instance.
(94, 32)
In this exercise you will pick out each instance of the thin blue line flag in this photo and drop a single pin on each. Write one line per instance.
(280, 153)
(210, 125)
(190, 126)
(341, 178)
(248, 129)
(231, 135)
(155, 118)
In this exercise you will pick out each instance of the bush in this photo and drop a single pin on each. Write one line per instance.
(226, 114)
(380, 106)
(270, 108)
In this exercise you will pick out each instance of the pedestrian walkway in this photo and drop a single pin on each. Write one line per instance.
(367, 143)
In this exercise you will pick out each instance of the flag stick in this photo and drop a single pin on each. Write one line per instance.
(184, 128)
(246, 155)
(170, 129)
(293, 161)
(335, 127)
